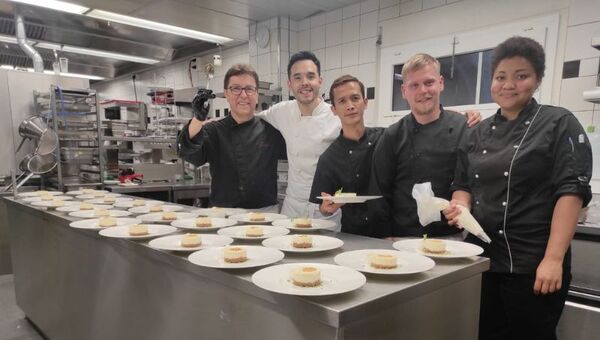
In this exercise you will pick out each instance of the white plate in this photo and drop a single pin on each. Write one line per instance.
(319, 243)
(146, 209)
(52, 204)
(348, 199)
(219, 212)
(316, 224)
(39, 199)
(157, 217)
(454, 249)
(97, 195)
(173, 242)
(154, 230)
(269, 217)
(408, 262)
(129, 204)
(38, 193)
(92, 224)
(257, 256)
(334, 279)
(190, 223)
(80, 192)
(76, 206)
(239, 232)
(92, 213)
(101, 200)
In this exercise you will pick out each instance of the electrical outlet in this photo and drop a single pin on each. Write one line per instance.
(193, 63)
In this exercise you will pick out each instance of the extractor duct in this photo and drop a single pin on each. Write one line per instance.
(38, 63)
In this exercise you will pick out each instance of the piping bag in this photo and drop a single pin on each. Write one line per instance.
(429, 207)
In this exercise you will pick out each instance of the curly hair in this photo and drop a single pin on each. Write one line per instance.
(523, 47)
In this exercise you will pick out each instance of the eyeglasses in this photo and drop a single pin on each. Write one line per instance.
(237, 90)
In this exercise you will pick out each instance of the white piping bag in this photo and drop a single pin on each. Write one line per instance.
(429, 206)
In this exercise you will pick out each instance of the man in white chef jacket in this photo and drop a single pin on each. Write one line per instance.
(308, 127)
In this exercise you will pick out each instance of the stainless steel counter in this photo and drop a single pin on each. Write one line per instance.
(75, 284)
(175, 191)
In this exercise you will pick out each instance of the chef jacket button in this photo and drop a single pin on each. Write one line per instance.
(527, 122)
(493, 127)
(505, 173)
(504, 204)
(366, 218)
(357, 175)
(484, 152)
(369, 143)
(476, 175)
(350, 152)
(476, 202)
(515, 146)
(501, 232)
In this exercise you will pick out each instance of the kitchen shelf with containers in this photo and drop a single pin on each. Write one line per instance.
(72, 113)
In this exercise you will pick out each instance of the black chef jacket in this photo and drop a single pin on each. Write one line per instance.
(514, 205)
(410, 153)
(243, 160)
(347, 164)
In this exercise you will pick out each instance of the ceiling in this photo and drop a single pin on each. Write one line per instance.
(222, 17)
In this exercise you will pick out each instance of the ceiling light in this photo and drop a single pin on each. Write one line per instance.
(72, 75)
(7, 67)
(56, 5)
(96, 53)
(157, 26)
(8, 39)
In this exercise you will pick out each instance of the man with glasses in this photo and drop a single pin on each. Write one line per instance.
(242, 150)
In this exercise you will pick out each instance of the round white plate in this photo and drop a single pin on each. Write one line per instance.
(239, 232)
(257, 256)
(269, 217)
(101, 200)
(173, 242)
(92, 224)
(97, 195)
(219, 212)
(146, 209)
(190, 223)
(76, 206)
(154, 230)
(39, 199)
(39, 193)
(52, 204)
(157, 217)
(80, 192)
(454, 249)
(348, 199)
(408, 262)
(319, 243)
(334, 279)
(129, 204)
(92, 213)
(316, 224)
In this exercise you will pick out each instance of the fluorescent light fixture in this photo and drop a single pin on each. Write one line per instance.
(72, 75)
(96, 53)
(8, 39)
(56, 5)
(7, 67)
(157, 26)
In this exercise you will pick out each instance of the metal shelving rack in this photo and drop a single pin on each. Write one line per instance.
(73, 113)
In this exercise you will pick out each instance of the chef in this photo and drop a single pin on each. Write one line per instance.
(242, 150)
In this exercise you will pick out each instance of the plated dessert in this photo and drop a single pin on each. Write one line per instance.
(302, 222)
(302, 241)
(306, 276)
(383, 261)
(434, 246)
(203, 222)
(256, 217)
(106, 222)
(254, 231)
(138, 230)
(168, 216)
(191, 240)
(234, 254)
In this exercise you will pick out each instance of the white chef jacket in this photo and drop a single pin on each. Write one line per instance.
(306, 138)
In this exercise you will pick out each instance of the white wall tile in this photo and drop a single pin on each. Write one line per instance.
(367, 74)
(285, 39)
(409, 7)
(274, 63)
(333, 16)
(370, 116)
(317, 20)
(252, 29)
(389, 12)
(351, 11)
(368, 24)
(333, 55)
(367, 51)
(317, 37)
(388, 3)
(252, 48)
(293, 41)
(350, 29)
(328, 77)
(254, 62)
(320, 54)
(452, 1)
(579, 41)
(369, 6)
(293, 25)
(274, 23)
(583, 11)
(586, 118)
(350, 54)
(303, 40)
(351, 70)
(274, 39)
(427, 4)
(571, 91)
(589, 67)
(304, 24)
(333, 35)
(264, 64)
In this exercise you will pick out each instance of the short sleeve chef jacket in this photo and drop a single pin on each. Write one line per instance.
(514, 202)
(411, 153)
